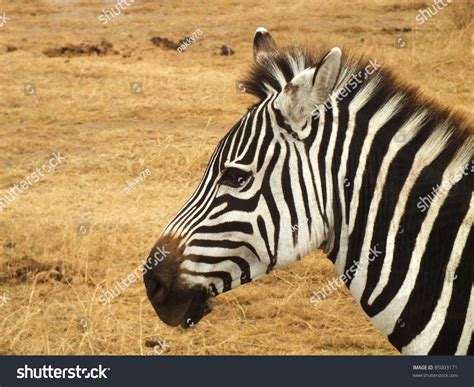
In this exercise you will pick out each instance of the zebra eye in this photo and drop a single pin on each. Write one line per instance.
(234, 177)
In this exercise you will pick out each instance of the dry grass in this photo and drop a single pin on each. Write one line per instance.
(85, 110)
(461, 14)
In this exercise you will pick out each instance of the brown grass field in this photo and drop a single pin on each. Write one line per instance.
(52, 271)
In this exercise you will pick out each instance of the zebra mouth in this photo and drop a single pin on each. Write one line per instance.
(200, 306)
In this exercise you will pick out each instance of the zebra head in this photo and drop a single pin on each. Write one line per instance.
(256, 207)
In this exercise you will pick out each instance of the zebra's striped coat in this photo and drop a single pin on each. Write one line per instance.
(337, 157)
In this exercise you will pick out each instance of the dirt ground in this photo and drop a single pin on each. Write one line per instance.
(114, 103)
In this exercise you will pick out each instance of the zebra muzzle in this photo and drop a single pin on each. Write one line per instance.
(174, 304)
(174, 301)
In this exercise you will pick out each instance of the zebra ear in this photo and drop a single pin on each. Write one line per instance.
(310, 88)
(263, 43)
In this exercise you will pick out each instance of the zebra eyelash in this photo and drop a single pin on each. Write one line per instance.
(235, 177)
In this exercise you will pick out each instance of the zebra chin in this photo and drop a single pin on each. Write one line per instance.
(174, 301)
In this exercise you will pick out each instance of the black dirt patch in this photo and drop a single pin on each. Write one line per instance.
(28, 269)
(396, 30)
(166, 43)
(84, 49)
(408, 7)
(226, 50)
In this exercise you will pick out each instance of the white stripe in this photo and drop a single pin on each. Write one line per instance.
(314, 156)
(201, 267)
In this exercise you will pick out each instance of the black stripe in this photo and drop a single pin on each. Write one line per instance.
(267, 139)
(263, 232)
(288, 192)
(243, 227)
(271, 204)
(308, 143)
(343, 119)
(323, 147)
(304, 192)
(224, 243)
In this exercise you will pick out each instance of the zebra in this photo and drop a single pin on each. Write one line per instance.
(337, 154)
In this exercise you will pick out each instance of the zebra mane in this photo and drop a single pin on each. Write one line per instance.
(276, 69)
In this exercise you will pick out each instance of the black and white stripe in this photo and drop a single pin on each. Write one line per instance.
(284, 182)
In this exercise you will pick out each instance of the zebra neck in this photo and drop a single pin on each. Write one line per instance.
(358, 132)
(379, 152)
